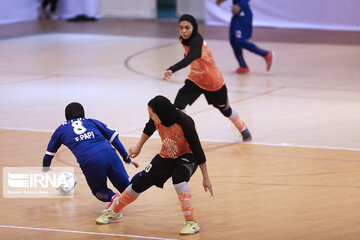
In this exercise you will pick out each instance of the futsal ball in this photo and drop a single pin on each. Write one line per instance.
(66, 183)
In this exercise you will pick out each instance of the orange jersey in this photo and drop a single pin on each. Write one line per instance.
(174, 143)
(178, 139)
(204, 71)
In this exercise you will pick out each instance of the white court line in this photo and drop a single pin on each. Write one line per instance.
(303, 146)
(81, 232)
(212, 140)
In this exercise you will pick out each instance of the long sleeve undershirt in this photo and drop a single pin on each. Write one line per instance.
(120, 148)
(188, 127)
(194, 53)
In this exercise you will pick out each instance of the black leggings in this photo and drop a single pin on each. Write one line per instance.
(161, 169)
(188, 94)
(53, 4)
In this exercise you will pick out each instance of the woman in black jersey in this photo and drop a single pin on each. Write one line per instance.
(178, 159)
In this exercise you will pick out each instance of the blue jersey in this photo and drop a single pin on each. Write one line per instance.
(83, 136)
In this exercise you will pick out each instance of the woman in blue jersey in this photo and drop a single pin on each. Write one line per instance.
(240, 33)
(90, 141)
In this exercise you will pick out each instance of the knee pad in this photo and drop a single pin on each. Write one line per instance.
(181, 187)
(225, 110)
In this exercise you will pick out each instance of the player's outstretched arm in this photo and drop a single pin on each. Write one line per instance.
(47, 162)
(135, 150)
(120, 148)
(167, 75)
(218, 2)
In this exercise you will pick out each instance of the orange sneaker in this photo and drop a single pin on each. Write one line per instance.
(242, 70)
(269, 59)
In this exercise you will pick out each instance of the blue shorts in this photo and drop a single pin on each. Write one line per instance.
(241, 26)
(105, 164)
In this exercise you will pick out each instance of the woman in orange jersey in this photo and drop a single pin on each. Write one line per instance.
(204, 77)
(179, 157)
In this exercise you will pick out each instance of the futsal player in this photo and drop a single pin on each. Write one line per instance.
(204, 77)
(240, 33)
(178, 159)
(90, 141)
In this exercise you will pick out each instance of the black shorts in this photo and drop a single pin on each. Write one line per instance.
(190, 92)
(161, 169)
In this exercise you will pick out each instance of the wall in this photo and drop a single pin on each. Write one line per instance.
(12, 11)
(312, 14)
(145, 9)
(195, 8)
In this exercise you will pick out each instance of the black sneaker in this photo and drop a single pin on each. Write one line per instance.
(246, 135)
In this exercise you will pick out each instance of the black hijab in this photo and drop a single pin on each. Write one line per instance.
(165, 110)
(74, 110)
(192, 20)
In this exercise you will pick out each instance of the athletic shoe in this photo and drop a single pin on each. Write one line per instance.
(269, 59)
(246, 135)
(242, 70)
(108, 216)
(190, 227)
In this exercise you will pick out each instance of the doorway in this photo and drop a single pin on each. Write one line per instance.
(166, 9)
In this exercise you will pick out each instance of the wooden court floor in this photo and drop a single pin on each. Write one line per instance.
(298, 179)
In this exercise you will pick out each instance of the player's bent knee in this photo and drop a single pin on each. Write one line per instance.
(179, 104)
(104, 197)
(180, 174)
(225, 110)
(241, 42)
(140, 185)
